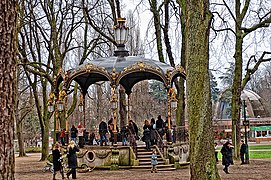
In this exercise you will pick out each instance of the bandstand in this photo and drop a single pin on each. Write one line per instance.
(122, 70)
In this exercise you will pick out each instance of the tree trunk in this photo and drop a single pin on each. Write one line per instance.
(202, 159)
(20, 137)
(236, 93)
(180, 113)
(45, 140)
(158, 31)
(7, 87)
(237, 82)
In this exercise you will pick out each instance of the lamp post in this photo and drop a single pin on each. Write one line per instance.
(51, 108)
(114, 107)
(172, 105)
(245, 124)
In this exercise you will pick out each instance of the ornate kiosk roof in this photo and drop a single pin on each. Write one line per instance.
(126, 71)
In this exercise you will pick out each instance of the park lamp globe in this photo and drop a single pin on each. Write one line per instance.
(80, 107)
(243, 96)
(173, 103)
(50, 107)
(121, 37)
(50, 103)
(114, 104)
(60, 105)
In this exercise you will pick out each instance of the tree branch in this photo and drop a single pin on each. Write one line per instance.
(250, 72)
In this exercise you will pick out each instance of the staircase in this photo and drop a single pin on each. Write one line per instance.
(144, 158)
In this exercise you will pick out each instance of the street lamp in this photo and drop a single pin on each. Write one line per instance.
(80, 107)
(51, 103)
(173, 104)
(60, 105)
(121, 37)
(245, 124)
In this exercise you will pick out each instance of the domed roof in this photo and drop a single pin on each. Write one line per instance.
(253, 101)
(250, 95)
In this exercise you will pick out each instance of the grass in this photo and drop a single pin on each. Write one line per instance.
(263, 153)
(259, 147)
(259, 154)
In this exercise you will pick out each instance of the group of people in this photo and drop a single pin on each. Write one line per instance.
(127, 133)
(72, 160)
(226, 152)
(75, 132)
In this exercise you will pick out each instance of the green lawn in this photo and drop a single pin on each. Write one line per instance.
(259, 147)
(262, 152)
(259, 154)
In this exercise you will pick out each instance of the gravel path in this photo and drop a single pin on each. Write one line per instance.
(29, 168)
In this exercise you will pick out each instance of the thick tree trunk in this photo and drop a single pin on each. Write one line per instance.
(7, 87)
(202, 159)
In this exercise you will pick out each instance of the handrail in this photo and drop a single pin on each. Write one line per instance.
(160, 143)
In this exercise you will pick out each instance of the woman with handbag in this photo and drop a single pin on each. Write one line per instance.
(72, 159)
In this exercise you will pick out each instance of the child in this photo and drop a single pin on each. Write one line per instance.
(154, 161)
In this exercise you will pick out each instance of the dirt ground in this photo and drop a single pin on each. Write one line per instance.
(29, 168)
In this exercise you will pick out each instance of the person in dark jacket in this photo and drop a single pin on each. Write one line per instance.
(57, 161)
(62, 136)
(74, 132)
(226, 156)
(160, 126)
(124, 135)
(147, 134)
(243, 150)
(102, 131)
(131, 134)
(72, 159)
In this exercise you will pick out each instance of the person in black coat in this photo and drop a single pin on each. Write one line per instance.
(72, 159)
(74, 132)
(102, 131)
(226, 156)
(147, 134)
(160, 126)
(57, 161)
(243, 150)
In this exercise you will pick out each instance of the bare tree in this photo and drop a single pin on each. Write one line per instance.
(241, 20)
(47, 42)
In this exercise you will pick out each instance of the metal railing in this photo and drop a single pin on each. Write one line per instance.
(159, 142)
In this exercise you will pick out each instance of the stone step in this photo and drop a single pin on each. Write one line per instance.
(149, 162)
(159, 166)
(148, 159)
(144, 152)
(163, 169)
(145, 156)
